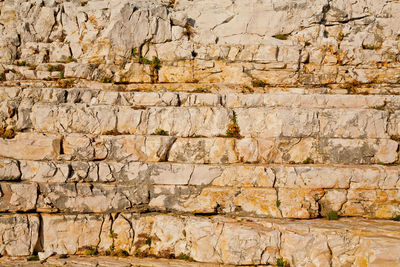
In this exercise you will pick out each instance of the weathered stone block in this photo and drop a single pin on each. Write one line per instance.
(345, 123)
(72, 233)
(9, 170)
(203, 150)
(265, 123)
(192, 199)
(85, 198)
(17, 197)
(30, 146)
(20, 234)
(138, 148)
(258, 201)
(299, 203)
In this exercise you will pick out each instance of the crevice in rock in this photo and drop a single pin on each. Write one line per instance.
(39, 246)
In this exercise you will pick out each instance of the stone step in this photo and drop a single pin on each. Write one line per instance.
(215, 239)
(356, 89)
(159, 97)
(282, 191)
(212, 121)
(103, 261)
(273, 202)
(218, 150)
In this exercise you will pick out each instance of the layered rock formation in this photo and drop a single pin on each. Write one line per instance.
(217, 131)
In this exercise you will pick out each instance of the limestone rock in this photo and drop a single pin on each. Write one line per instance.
(18, 197)
(9, 170)
(21, 233)
(30, 146)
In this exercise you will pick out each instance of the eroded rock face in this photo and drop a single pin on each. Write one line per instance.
(221, 131)
(225, 240)
(277, 42)
(20, 234)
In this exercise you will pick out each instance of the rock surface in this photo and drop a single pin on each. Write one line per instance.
(278, 42)
(223, 132)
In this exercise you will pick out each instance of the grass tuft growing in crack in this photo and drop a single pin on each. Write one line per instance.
(258, 83)
(282, 263)
(52, 68)
(185, 257)
(233, 128)
(281, 36)
(332, 215)
(90, 251)
(33, 258)
(160, 131)
(7, 133)
(308, 160)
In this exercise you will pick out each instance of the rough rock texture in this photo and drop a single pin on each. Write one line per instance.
(20, 234)
(104, 262)
(223, 132)
(278, 42)
(234, 241)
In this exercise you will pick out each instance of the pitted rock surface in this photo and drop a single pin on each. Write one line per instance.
(199, 133)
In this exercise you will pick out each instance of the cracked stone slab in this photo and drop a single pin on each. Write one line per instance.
(20, 234)
(104, 261)
(9, 170)
(30, 146)
(237, 241)
(18, 197)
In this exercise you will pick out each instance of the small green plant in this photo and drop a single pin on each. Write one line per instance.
(7, 133)
(65, 83)
(140, 254)
(258, 83)
(70, 59)
(133, 52)
(278, 203)
(201, 90)
(112, 234)
(156, 63)
(33, 258)
(332, 215)
(282, 263)
(308, 161)
(148, 241)
(106, 80)
(90, 251)
(233, 128)
(62, 75)
(160, 131)
(281, 36)
(144, 61)
(185, 257)
(116, 252)
(22, 64)
(369, 47)
(2, 76)
(52, 68)
(396, 218)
